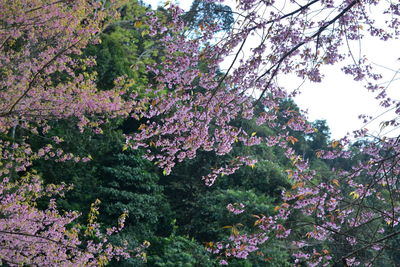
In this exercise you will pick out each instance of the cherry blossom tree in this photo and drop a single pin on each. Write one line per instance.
(45, 237)
(355, 208)
(43, 78)
(190, 105)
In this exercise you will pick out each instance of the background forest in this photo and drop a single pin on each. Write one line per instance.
(174, 215)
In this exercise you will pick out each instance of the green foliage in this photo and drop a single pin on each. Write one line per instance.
(130, 183)
(125, 50)
(267, 177)
(114, 56)
(210, 214)
(202, 13)
(178, 251)
(83, 175)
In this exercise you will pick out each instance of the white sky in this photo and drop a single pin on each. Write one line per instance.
(338, 99)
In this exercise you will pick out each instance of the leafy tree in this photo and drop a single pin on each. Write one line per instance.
(125, 49)
(210, 214)
(178, 251)
(40, 40)
(129, 183)
(96, 149)
(206, 12)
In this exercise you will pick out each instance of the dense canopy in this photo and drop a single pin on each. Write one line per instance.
(123, 142)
